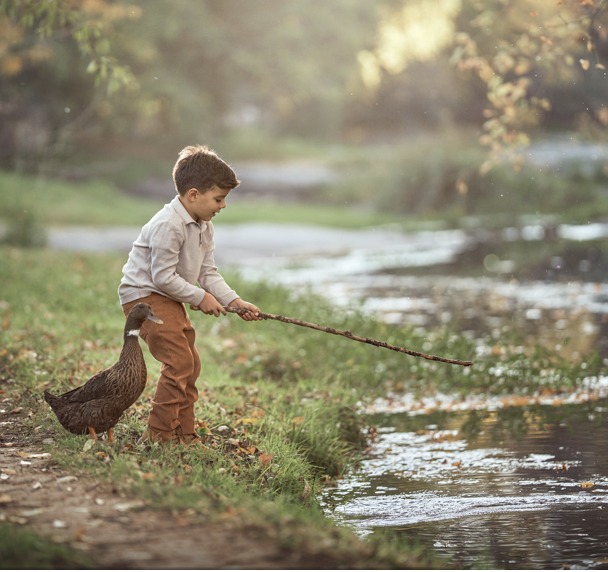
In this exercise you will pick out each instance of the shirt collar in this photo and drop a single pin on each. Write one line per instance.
(182, 212)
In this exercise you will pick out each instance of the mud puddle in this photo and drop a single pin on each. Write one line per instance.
(513, 489)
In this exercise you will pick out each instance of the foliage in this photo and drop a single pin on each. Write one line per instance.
(440, 178)
(522, 51)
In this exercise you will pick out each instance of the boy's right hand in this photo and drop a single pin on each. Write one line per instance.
(210, 306)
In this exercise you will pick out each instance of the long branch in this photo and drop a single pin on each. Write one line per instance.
(349, 335)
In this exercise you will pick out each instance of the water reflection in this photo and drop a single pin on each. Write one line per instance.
(500, 489)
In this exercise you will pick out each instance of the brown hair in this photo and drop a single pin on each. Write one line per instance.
(198, 167)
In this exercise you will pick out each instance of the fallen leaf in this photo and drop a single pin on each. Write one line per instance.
(250, 420)
(600, 66)
(534, 14)
(297, 420)
(17, 519)
(26, 463)
(586, 485)
(123, 507)
(88, 444)
(59, 524)
(9, 471)
(33, 512)
(233, 442)
(66, 479)
(37, 485)
(584, 64)
(16, 410)
(306, 492)
(5, 499)
(265, 458)
(457, 464)
(148, 476)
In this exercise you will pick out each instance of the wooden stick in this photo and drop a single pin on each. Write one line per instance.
(349, 335)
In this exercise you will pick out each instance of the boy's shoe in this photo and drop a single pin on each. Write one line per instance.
(153, 435)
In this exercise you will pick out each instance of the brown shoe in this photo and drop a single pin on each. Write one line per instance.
(153, 435)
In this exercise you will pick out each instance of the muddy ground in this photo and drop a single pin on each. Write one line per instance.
(119, 532)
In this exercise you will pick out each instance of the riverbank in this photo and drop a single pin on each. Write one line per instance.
(277, 431)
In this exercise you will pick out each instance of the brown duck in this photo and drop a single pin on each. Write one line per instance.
(97, 405)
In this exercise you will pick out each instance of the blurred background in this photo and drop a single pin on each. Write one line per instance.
(470, 136)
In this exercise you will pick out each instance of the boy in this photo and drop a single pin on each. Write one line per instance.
(173, 252)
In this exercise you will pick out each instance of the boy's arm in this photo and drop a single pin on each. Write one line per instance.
(165, 242)
(218, 292)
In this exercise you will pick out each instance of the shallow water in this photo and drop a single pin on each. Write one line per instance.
(472, 492)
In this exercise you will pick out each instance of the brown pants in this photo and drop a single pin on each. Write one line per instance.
(172, 344)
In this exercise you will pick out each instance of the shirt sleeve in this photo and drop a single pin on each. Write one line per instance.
(212, 281)
(165, 242)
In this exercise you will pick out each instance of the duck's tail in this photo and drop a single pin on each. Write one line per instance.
(54, 401)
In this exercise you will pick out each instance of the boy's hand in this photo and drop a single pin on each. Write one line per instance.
(210, 306)
(252, 315)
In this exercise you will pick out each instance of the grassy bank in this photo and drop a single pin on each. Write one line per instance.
(278, 404)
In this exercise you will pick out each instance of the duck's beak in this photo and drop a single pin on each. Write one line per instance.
(152, 317)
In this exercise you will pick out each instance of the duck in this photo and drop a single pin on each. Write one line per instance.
(96, 406)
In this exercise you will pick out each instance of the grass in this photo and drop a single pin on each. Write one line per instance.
(21, 549)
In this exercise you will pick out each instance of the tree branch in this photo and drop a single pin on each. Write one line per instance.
(349, 335)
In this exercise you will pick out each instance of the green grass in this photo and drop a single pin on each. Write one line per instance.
(61, 203)
(21, 549)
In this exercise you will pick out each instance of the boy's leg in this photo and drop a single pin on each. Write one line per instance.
(186, 410)
(169, 344)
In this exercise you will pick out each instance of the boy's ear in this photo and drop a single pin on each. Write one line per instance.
(191, 194)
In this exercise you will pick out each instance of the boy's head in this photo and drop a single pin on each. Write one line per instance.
(198, 167)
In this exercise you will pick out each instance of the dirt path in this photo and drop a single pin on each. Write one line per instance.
(118, 532)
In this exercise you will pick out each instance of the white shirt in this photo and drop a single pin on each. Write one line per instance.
(171, 255)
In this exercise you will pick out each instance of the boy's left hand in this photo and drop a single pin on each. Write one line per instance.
(253, 310)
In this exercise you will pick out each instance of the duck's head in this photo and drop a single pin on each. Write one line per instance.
(140, 313)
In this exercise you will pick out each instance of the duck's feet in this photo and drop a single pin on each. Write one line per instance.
(92, 433)
(111, 435)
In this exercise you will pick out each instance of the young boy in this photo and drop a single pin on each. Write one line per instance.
(173, 252)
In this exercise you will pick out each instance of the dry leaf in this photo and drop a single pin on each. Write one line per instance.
(586, 485)
(584, 64)
(250, 420)
(37, 485)
(66, 479)
(148, 476)
(88, 444)
(457, 464)
(306, 492)
(5, 498)
(600, 66)
(265, 459)
(9, 471)
(16, 410)
(233, 442)
(534, 14)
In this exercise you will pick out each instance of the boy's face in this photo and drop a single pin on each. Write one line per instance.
(204, 206)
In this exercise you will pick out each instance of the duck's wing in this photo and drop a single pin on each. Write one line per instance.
(98, 387)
